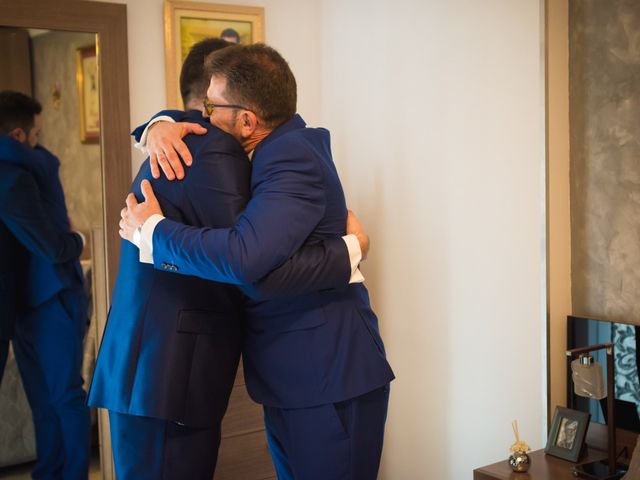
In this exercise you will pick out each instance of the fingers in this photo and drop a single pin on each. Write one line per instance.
(184, 153)
(147, 192)
(153, 163)
(127, 224)
(158, 161)
(164, 164)
(163, 156)
(135, 214)
(131, 202)
(365, 246)
(180, 147)
(122, 232)
(353, 224)
(174, 163)
(169, 161)
(356, 228)
(168, 151)
(193, 128)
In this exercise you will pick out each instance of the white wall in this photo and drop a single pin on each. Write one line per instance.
(436, 113)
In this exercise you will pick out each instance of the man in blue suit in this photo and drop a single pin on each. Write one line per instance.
(316, 362)
(25, 229)
(172, 343)
(50, 330)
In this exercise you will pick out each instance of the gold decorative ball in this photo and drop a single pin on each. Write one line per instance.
(519, 462)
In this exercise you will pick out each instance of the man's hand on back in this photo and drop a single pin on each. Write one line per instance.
(166, 148)
(354, 227)
(135, 214)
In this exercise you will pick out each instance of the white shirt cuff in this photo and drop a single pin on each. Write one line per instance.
(355, 255)
(146, 238)
(142, 144)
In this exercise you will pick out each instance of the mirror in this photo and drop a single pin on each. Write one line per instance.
(73, 58)
(59, 70)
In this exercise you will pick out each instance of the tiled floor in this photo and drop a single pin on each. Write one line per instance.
(22, 472)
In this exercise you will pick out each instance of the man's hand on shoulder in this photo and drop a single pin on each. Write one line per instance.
(135, 214)
(166, 147)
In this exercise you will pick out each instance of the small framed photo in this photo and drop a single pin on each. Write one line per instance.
(186, 23)
(87, 78)
(567, 433)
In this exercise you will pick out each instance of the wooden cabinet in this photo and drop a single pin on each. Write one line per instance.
(543, 467)
(243, 452)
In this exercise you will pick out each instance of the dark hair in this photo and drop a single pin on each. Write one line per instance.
(230, 32)
(194, 81)
(258, 78)
(17, 111)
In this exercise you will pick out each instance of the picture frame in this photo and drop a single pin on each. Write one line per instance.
(567, 433)
(88, 78)
(186, 23)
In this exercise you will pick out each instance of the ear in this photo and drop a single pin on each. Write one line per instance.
(18, 134)
(248, 123)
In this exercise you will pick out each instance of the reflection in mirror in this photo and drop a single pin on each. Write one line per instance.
(59, 70)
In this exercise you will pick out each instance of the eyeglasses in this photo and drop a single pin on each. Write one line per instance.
(210, 107)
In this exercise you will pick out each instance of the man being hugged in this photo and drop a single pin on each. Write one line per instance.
(316, 362)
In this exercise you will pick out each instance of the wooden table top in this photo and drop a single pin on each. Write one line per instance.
(543, 467)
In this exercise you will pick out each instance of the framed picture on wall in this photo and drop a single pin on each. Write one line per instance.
(88, 94)
(567, 433)
(186, 23)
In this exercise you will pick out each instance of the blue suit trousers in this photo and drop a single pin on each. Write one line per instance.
(48, 348)
(336, 441)
(146, 448)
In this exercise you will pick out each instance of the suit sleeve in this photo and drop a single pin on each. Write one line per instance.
(177, 115)
(314, 267)
(23, 214)
(288, 202)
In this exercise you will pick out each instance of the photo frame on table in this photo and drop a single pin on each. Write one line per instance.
(567, 433)
(87, 78)
(186, 23)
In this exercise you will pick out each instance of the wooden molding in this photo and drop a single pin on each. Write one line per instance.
(109, 22)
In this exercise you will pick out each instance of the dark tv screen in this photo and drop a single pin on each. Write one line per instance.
(582, 332)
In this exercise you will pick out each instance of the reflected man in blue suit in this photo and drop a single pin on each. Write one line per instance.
(50, 329)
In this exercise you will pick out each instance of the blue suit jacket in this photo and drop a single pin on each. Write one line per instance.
(45, 279)
(317, 348)
(28, 231)
(172, 342)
